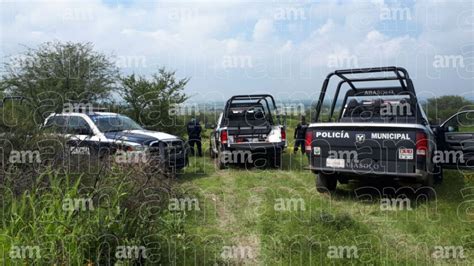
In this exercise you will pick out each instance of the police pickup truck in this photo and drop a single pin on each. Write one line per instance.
(381, 131)
(103, 133)
(248, 131)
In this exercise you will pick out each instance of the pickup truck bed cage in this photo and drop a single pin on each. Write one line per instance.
(400, 75)
(256, 99)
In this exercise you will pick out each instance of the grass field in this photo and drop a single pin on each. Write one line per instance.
(273, 217)
(230, 217)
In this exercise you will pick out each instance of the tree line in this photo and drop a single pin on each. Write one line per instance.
(57, 73)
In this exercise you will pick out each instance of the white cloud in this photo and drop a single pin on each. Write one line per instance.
(327, 27)
(194, 37)
(263, 29)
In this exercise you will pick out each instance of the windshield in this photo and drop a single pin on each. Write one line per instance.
(114, 123)
(248, 116)
(389, 106)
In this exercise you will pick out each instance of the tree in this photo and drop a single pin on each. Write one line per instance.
(56, 73)
(152, 101)
(441, 108)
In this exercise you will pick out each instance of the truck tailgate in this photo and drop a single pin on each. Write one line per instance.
(359, 149)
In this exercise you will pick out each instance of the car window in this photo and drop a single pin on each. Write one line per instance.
(56, 124)
(77, 125)
(462, 122)
(115, 123)
(370, 106)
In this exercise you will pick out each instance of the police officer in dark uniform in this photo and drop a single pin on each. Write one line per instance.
(300, 132)
(194, 134)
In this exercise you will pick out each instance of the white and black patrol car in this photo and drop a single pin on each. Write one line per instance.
(105, 133)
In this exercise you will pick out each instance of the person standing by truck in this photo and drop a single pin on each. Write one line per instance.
(194, 133)
(300, 132)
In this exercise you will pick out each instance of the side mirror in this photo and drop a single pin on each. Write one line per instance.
(452, 129)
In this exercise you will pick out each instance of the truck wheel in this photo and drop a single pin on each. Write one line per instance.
(211, 151)
(428, 187)
(438, 174)
(278, 160)
(220, 164)
(429, 181)
(325, 183)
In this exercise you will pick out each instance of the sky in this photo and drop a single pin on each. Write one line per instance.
(285, 48)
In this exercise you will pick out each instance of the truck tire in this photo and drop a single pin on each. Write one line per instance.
(220, 164)
(277, 160)
(429, 181)
(211, 150)
(325, 183)
(428, 187)
(438, 174)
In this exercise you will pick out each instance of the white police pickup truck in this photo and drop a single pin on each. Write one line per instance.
(249, 130)
(104, 133)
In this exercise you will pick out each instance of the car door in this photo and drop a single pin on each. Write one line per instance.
(80, 134)
(456, 141)
(215, 135)
(56, 125)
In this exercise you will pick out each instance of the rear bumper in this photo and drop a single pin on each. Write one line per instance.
(268, 146)
(417, 176)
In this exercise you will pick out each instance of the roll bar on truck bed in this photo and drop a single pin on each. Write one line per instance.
(400, 74)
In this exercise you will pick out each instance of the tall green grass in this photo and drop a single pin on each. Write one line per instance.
(63, 219)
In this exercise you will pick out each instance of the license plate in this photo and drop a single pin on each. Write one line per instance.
(80, 150)
(335, 163)
(405, 154)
